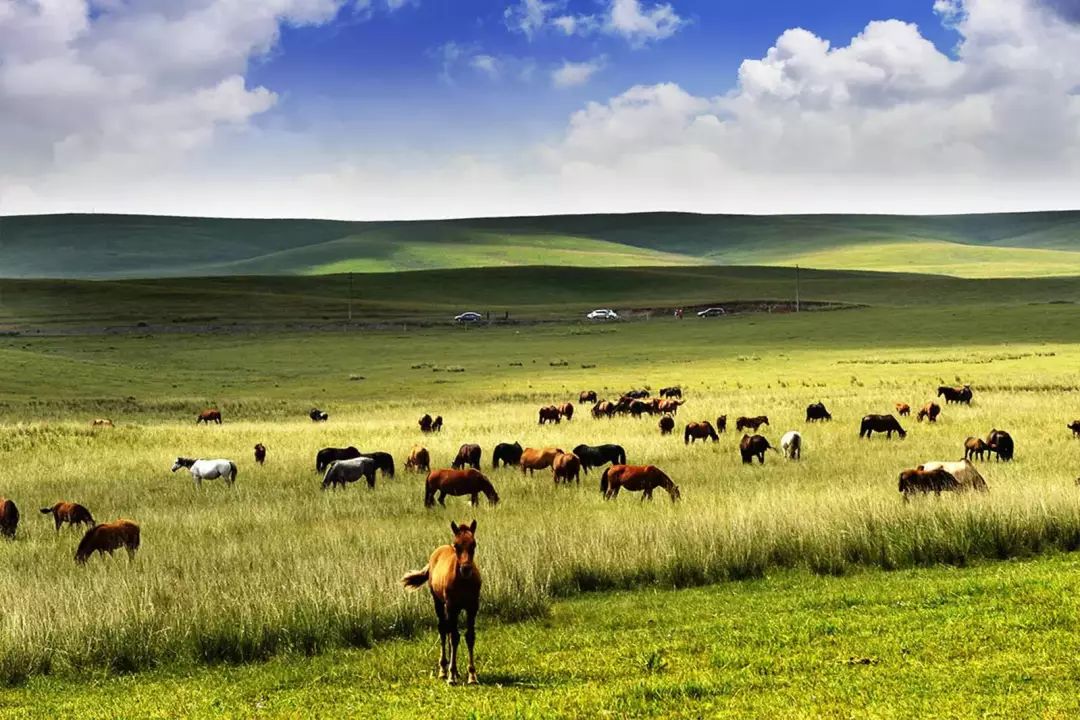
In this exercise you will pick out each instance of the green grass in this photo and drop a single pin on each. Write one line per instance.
(117, 246)
(994, 640)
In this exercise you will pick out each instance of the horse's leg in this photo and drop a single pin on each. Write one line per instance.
(444, 630)
(58, 521)
(470, 640)
(442, 498)
(455, 638)
(474, 499)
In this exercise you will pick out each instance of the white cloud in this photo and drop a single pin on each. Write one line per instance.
(529, 17)
(637, 22)
(573, 74)
(487, 64)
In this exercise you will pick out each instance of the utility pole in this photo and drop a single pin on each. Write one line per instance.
(350, 297)
(796, 288)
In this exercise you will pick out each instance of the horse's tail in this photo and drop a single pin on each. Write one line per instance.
(46, 511)
(622, 456)
(390, 467)
(604, 481)
(416, 579)
(232, 471)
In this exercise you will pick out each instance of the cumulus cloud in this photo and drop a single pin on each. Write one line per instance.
(637, 22)
(573, 74)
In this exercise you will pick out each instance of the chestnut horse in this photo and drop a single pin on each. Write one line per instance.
(587, 396)
(975, 447)
(604, 408)
(71, 513)
(567, 467)
(567, 411)
(930, 411)
(751, 423)
(926, 481)
(533, 459)
(9, 517)
(101, 422)
(903, 409)
(700, 431)
(468, 455)
(419, 459)
(721, 424)
(458, 482)
(454, 580)
(636, 478)
(108, 537)
(209, 416)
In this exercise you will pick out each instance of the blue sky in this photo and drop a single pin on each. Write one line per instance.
(435, 108)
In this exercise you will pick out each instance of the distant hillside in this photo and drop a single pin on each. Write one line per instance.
(130, 246)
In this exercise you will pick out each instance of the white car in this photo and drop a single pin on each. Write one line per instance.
(468, 317)
(603, 314)
(712, 312)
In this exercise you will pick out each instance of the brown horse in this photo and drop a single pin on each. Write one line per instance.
(956, 395)
(209, 416)
(468, 455)
(419, 459)
(903, 409)
(108, 537)
(700, 431)
(567, 467)
(1075, 427)
(604, 408)
(101, 422)
(260, 453)
(975, 447)
(636, 478)
(669, 407)
(667, 424)
(880, 423)
(721, 424)
(533, 459)
(751, 423)
(454, 579)
(926, 481)
(427, 425)
(929, 411)
(550, 414)
(9, 517)
(458, 482)
(754, 446)
(587, 396)
(71, 513)
(567, 411)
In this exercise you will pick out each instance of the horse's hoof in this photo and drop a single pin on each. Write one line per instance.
(451, 681)
(473, 680)
(442, 674)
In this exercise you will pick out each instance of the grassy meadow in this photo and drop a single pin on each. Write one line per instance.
(276, 567)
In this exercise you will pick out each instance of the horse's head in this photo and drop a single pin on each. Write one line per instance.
(182, 462)
(464, 545)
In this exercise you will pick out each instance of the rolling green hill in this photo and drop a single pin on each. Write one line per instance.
(128, 246)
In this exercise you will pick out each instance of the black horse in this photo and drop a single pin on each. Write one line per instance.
(671, 392)
(318, 415)
(507, 454)
(384, 462)
(599, 455)
(326, 456)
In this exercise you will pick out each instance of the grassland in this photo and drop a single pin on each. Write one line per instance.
(991, 640)
(117, 246)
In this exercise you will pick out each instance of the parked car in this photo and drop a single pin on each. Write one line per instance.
(712, 312)
(603, 314)
(468, 317)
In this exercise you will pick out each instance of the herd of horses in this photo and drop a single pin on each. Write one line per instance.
(451, 573)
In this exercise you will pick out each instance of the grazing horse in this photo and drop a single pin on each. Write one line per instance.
(207, 469)
(599, 455)
(101, 422)
(384, 462)
(754, 446)
(791, 445)
(1001, 444)
(260, 453)
(587, 396)
(567, 411)
(9, 517)
(965, 474)
(637, 408)
(721, 424)
(347, 471)
(751, 423)
(903, 409)
(550, 414)
(930, 411)
(327, 456)
(926, 481)
(636, 394)
(468, 455)
(604, 408)
(533, 459)
(671, 392)
(667, 424)
(71, 513)
(427, 425)
(454, 579)
(881, 423)
(107, 537)
(419, 460)
(318, 415)
(566, 467)
(975, 447)
(507, 454)
(955, 394)
(817, 411)
(1075, 427)
(700, 431)
(636, 478)
(669, 407)
(458, 482)
(209, 416)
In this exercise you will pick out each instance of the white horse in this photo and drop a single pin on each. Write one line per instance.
(791, 444)
(207, 469)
